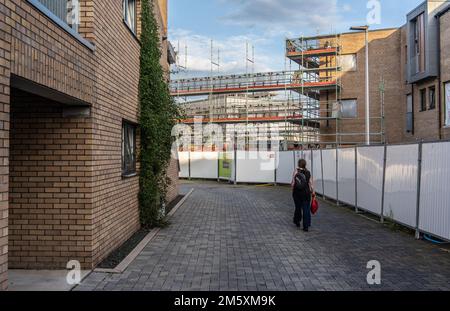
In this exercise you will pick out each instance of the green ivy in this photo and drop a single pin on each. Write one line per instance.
(158, 114)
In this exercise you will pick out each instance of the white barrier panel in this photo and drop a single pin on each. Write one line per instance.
(255, 167)
(400, 198)
(434, 215)
(285, 167)
(329, 172)
(183, 158)
(204, 165)
(317, 171)
(305, 155)
(370, 178)
(346, 175)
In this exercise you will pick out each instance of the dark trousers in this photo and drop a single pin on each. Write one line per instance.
(302, 211)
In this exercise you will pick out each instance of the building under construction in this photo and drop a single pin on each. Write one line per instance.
(324, 95)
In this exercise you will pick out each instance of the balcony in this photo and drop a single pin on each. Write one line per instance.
(65, 14)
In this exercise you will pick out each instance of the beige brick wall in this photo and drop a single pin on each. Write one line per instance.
(50, 218)
(5, 57)
(384, 54)
(68, 198)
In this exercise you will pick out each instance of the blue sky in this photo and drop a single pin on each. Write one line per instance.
(265, 24)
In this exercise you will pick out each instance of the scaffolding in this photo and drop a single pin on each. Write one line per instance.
(312, 112)
(318, 60)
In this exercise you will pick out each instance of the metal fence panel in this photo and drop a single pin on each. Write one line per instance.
(255, 167)
(346, 175)
(329, 172)
(434, 215)
(285, 167)
(370, 178)
(204, 165)
(400, 198)
(317, 171)
(184, 164)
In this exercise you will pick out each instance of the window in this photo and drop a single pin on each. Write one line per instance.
(419, 43)
(348, 62)
(423, 100)
(128, 149)
(349, 108)
(409, 114)
(447, 104)
(432, 98)
(66, 10)
(129, 14)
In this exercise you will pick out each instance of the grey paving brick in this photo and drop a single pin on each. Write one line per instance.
(242, 238)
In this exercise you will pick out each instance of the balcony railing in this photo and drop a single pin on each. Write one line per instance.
(64, 13)
(65, 10)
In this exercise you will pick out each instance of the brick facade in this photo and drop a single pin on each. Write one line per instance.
(67, 198)
(384, 54)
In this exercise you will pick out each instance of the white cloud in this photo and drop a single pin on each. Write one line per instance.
(284, 16)
(232, 53)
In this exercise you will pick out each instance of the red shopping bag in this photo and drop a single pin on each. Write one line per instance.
(314, 205)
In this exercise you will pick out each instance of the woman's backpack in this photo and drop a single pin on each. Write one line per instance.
(301, 184)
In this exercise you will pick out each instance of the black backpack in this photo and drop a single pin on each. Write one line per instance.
(301, 183)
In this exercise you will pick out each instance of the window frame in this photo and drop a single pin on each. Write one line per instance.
(127, 171)
(355, 56)
(341, 111)
(447, 104)
(132, 28)
(410, 112)
(60, 23)
(423, 100)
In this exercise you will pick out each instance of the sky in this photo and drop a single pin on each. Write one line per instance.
(265, 24)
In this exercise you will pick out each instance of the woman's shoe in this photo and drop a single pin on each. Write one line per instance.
(306, 229)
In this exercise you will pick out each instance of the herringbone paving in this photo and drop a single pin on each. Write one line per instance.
(242, 238)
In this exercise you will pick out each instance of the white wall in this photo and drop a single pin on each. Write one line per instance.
(346, 175)
(255, 167)
(435, 190)
(285, 167)
(184, 164)
(204, 165)
(370, 178)
(400, 196)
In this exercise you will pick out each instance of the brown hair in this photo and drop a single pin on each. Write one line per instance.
(302, 163)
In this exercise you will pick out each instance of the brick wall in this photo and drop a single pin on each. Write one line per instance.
(384, 54)
(68, 200)
(5, 57)
(50, 220)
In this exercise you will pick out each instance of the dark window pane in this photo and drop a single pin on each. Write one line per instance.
(432, 99)
(128, 149)
(423, 100)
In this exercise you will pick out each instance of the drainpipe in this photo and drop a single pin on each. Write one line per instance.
(438, 18)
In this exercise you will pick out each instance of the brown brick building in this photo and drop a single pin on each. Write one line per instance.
(68, 124)
(409, 70)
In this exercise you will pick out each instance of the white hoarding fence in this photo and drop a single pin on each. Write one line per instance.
(408, 184)
(400, 191)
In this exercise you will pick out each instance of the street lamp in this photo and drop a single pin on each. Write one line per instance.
(366, 30)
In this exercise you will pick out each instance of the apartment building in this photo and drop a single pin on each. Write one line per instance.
(409, 86)
(69, 72)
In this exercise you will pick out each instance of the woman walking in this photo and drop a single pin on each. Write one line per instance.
(303, 189)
